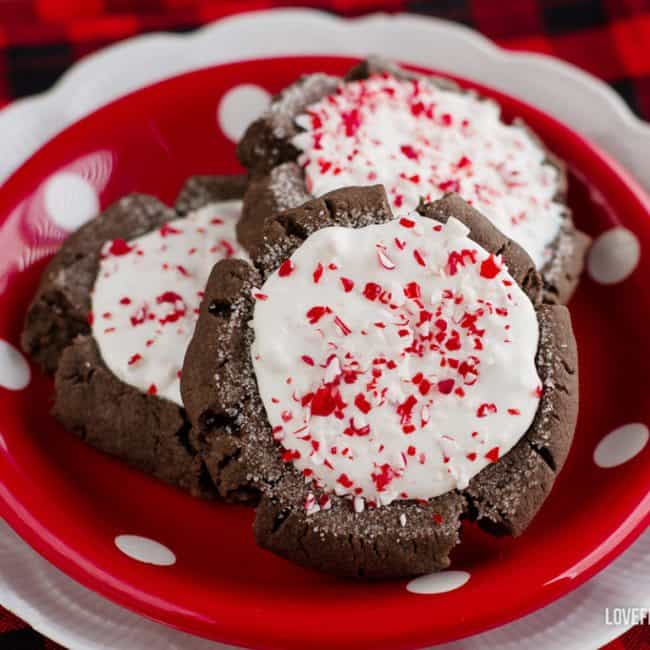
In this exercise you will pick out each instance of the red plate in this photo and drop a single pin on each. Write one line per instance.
(70, 502)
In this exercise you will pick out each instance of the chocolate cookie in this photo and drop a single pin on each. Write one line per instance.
(353, 517)
(129, 416)
(420, 137)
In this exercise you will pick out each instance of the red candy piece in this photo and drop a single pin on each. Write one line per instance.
(348, 284)
(169, 296)
(316, 313)
(485, 409)
(119, 247)
(489, 268)
(412, 290)
(409, 151)
(345, 481)
(446, 386)
(353, 430)
(326, 400)
(167, 230)
(362, 403)
(286, 268)
(384, 477)
(372, 291)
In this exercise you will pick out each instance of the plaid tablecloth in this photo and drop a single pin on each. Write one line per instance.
(40, 39)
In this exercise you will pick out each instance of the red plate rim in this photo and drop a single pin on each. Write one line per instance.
(15, 484)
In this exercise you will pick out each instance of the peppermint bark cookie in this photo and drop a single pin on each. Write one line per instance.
(113, 315)
(380, 379)
(420, 137)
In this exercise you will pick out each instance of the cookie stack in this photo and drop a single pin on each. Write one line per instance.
(365, 337)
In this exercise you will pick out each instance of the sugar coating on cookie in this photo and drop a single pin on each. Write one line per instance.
(421, 141)
(394, 361)
(146, 297)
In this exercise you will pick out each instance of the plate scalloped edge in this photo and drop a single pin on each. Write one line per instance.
(557, 87)
(80, 619)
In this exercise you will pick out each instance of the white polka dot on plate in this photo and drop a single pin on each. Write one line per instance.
(438, 583)
(145, 550)
(70, 200)
(614, 256)
(621, 445)
(14, 371)
(239, 107)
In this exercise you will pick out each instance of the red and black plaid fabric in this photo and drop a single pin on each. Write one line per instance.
(16, 635)
(40, 39)
(638, 638)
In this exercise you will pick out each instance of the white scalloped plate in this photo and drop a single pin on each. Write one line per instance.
(78, 618)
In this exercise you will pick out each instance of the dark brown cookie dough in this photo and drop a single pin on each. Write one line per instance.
(281, 189)
(61, 307)
(278, 181)
(149, 432)
(267, 141)
(403, 539)
(407, 537)
(199, 191)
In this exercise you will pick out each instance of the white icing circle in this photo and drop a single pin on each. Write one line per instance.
(239, 107)
(420, 141)
(14, 370)
(438, 583)
(395, 361)
(614, 256)
(148, 291)
(621, 445)
(145, 550)
(70, 200)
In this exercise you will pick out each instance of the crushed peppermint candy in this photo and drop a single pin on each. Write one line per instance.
(403, 381)
(150, 289)
(421, 141)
